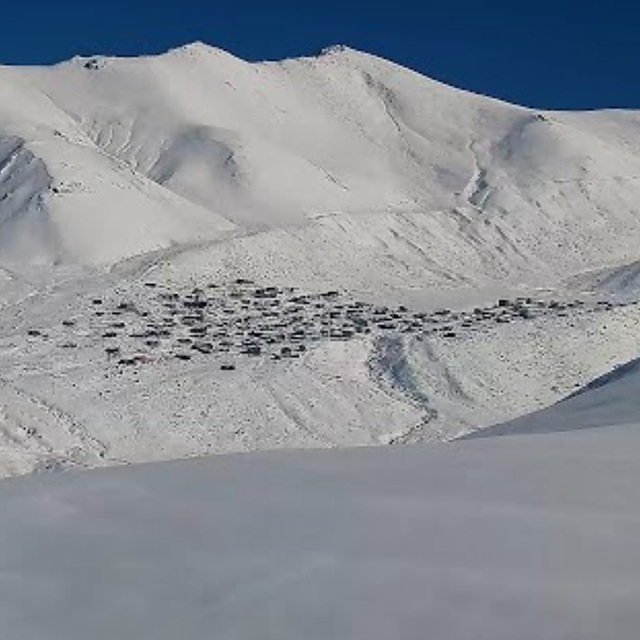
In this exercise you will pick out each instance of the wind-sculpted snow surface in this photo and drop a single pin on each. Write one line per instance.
(524, 537)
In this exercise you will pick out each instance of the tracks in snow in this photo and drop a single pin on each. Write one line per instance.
(389, 366)
(53, 437)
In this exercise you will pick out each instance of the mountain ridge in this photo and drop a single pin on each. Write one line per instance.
(275, 145)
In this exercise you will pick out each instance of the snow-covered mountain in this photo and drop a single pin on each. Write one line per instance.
(328, 162)
(342, 171)
(201, 255)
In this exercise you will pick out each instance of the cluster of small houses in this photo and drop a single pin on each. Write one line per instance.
(280, 323)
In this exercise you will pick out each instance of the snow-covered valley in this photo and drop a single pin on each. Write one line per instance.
(194, 170)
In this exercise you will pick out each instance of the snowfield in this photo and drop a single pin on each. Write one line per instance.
(341, 172)
(427, 183)
(527, 536)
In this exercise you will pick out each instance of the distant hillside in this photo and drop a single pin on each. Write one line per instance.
(316, 166)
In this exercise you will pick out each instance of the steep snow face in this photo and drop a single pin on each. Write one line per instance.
(24, 225)
(63, 200)
(421, 182)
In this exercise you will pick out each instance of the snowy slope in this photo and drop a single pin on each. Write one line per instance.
(423, 183)
(66, 402)
(341, 171)
(612, 399)
(521, 537)
(480, 379)
(134, 191)
(63, 200)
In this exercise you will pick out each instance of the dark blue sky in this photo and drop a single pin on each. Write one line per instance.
(564, 54)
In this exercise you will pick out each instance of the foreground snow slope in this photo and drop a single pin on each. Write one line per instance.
(516, 537)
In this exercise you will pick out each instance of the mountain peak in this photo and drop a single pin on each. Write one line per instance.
(335, 49)
(195, 47)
